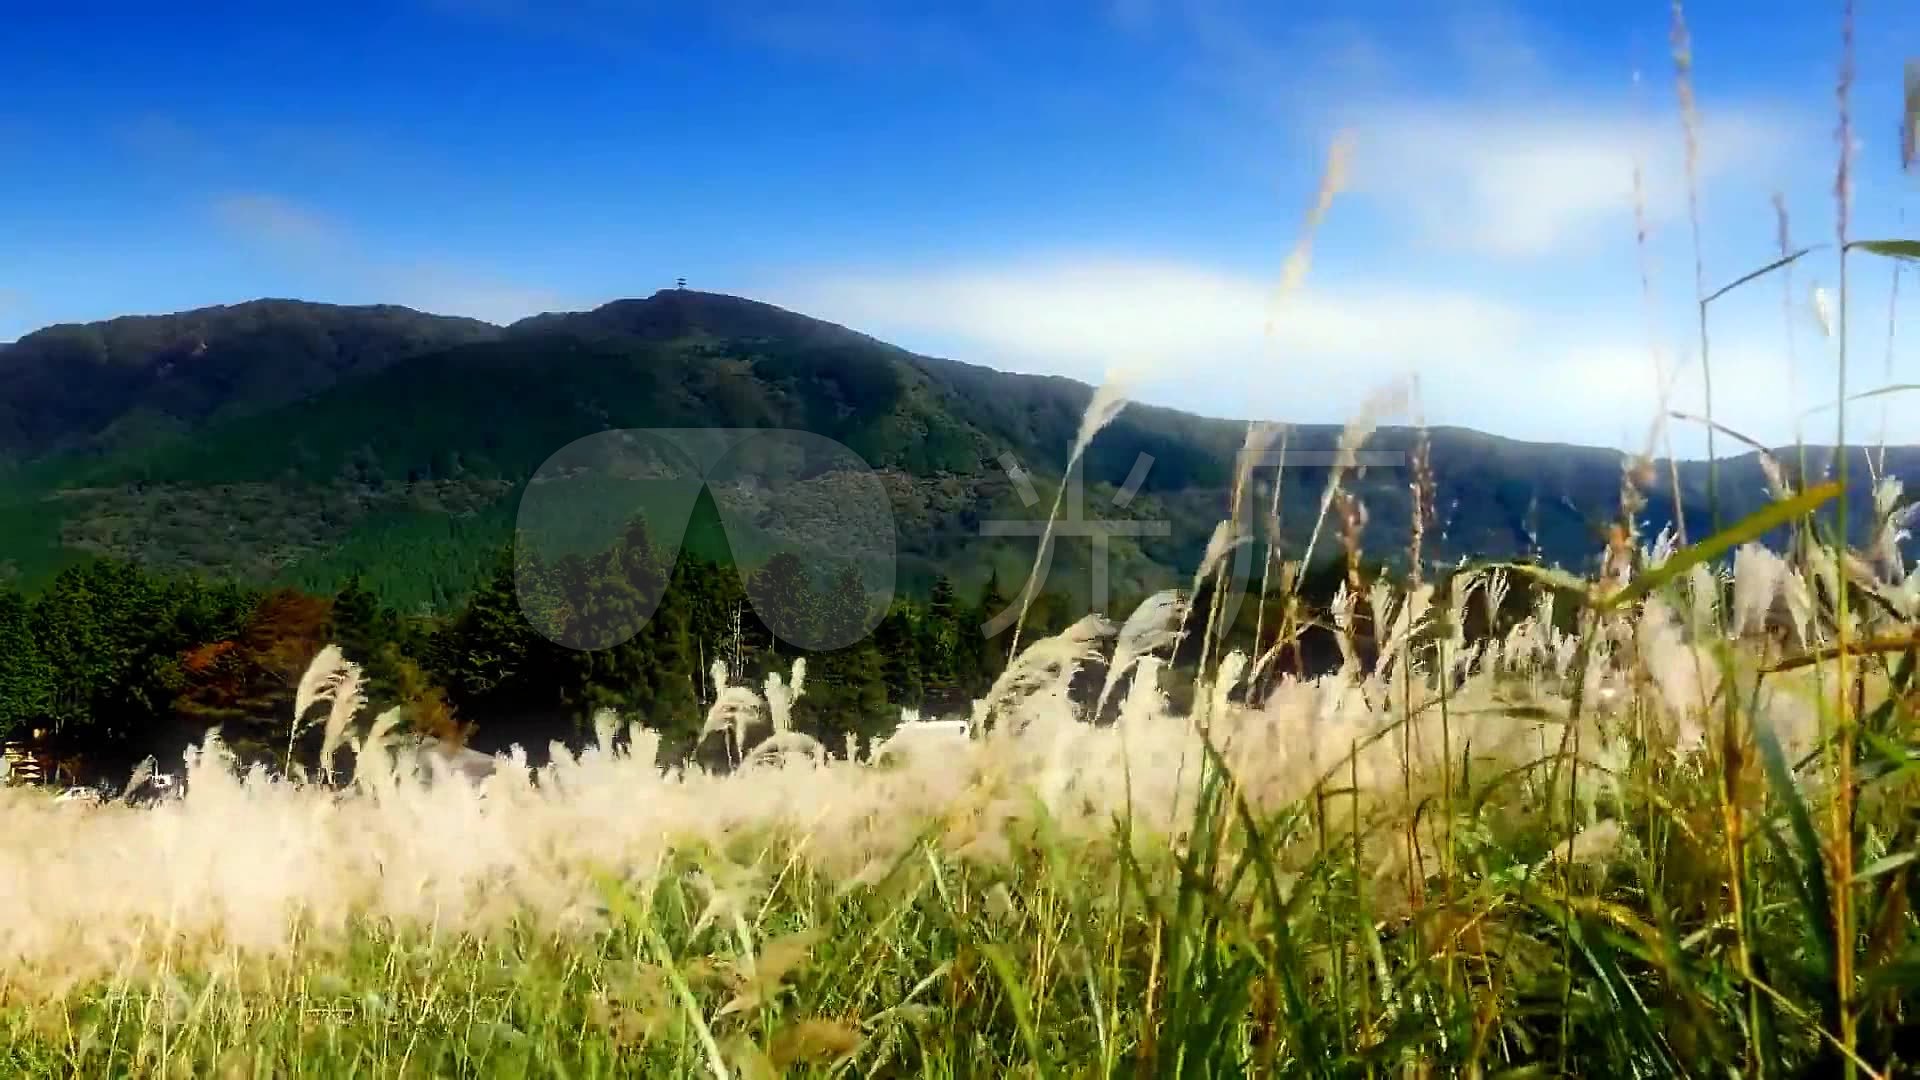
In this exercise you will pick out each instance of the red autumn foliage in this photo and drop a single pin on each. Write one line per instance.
(250, 680)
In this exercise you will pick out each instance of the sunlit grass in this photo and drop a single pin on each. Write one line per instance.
(1604, 853)
(1663, 824)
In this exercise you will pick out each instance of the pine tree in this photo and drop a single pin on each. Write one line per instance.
(26, 679)
(941, 640)
(487, 648)
(986, 656)
(673, 706)
(111, 636)
(897, 640)
(367, 632)
(784, 601)
(844, 610)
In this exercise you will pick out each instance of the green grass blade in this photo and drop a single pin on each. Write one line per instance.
(1777, 264)
(1288, 961)
(1551, 577)
(1017, 999)
(1806, 855)
(1752, 527)
(1890, 249)
(1882, 867)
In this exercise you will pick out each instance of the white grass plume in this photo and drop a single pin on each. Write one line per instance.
(1154, 625)
(330, 677)
(257, 865)
(1389, 400)
(348, 695)
(317, 682)
(1107, 402)
(780, 696)
(1047, 666)
(736, 710)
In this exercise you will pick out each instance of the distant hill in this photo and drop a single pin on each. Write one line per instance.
(278, 440)
(99, 386)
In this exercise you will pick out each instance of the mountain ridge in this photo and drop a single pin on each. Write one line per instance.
(326, 440)
(606, 314)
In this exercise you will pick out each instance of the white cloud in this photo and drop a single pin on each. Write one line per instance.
(270, 219)
(1546, 180)
(275, 221)
(1133, 16)
(451, 289)
(1196, 338)
(853, 33)
(15, 309)
(1480, 134)
(312, 242)
(161, 139)
(1097, 310)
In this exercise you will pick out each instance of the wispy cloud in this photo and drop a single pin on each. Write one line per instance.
(836, 32)
(274, 220)
(456, 289)
(1198, 338)
(14, 312)
(317, 244)
(1494, 192)
(616, 28)
(863, 33)
(1547, 178)
(1481, 135)
(1133, 16)
(853, 32)
(1091, 310)
(163, 138)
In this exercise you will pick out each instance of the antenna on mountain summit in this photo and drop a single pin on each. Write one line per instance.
(680, 283)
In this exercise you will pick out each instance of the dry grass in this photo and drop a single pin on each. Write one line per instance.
(1441, 752)
(1664, 824)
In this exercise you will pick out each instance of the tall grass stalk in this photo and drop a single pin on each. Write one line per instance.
(1663, 379)
(1843, 831)
(1102, 409)
(1274, 552)
(1682, 43)
(1624, 843)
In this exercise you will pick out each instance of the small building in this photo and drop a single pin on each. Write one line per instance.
(461, 761)
(24, 761)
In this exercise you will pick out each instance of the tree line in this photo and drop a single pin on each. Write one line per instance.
(112, 662)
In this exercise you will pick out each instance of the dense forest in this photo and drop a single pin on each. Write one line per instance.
(193, 506)
(290, 444)
(112, 663)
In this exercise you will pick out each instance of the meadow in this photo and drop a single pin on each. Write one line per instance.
(1666, 824)
(1675, 838)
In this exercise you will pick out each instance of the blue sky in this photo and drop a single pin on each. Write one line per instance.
(1073, 186)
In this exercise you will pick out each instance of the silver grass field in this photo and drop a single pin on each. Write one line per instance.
(1599, 850)
(1664, 825)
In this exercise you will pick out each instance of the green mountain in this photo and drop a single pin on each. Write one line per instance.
(98, 387)
(278, 440)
